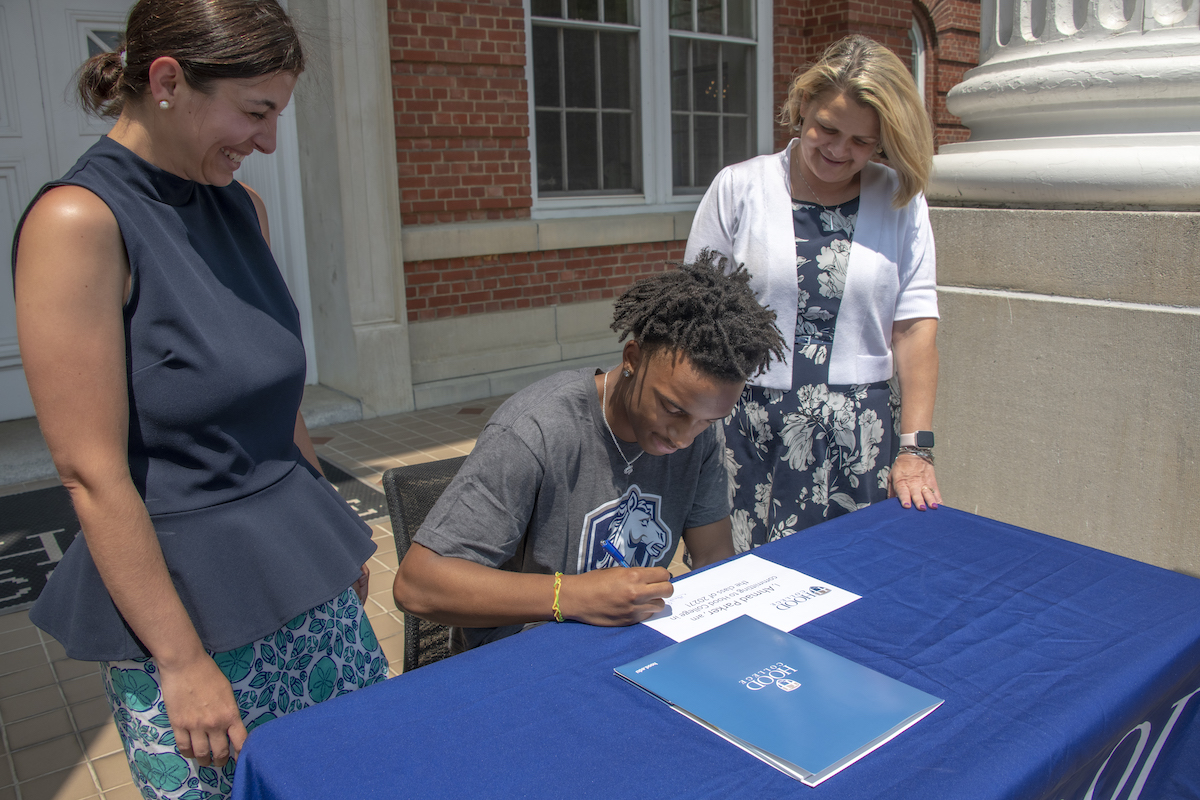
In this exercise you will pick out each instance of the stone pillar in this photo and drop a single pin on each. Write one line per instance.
(1068, 400)
(1079, 103)
(352, 203)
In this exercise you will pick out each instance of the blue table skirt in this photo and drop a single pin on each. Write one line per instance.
(1048, 654)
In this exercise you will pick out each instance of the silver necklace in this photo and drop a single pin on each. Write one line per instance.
(800, 170)
(604, 413)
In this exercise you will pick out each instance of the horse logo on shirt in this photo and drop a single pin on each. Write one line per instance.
(633, 524)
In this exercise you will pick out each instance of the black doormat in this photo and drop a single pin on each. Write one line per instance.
(369, 503)
(37, 527)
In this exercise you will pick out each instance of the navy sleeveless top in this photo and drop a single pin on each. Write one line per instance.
(251, 533)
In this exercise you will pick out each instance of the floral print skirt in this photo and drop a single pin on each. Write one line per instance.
(326, 652)
(797, 458)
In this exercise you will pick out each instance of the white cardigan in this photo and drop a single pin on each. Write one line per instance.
(746, 215)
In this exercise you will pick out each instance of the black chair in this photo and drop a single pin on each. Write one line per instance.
(411, 492)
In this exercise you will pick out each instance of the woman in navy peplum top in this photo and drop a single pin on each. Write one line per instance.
(218, 576)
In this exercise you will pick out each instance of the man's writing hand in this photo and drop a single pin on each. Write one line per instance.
(617, 596)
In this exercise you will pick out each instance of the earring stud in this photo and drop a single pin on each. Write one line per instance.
(164, 104)
(626, 373)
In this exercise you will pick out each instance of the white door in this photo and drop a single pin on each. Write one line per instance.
(24, 166)
(43, 131)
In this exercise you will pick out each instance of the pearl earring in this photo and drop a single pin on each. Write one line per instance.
(164, 104)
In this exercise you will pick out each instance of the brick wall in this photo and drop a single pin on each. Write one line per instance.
(484, 284)
(462, 114)
(804, 28)
(462, 135)
(955, 41)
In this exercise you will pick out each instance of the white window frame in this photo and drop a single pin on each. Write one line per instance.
(654, 59)
(917, 37)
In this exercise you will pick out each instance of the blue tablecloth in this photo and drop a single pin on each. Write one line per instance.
(1048, 654)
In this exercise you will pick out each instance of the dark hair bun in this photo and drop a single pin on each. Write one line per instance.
(100, 81)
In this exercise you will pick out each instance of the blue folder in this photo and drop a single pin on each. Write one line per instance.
(804, 710)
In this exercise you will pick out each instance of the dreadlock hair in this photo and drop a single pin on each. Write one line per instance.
(705, 312)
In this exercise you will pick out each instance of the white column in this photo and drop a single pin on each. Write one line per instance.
(352, 203)
(1079, 103)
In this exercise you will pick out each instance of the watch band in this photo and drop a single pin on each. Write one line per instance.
(922, 439)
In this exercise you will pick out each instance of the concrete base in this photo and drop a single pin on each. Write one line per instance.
(1077, 416)
(1128, 256)
(15, 402)
(459, 347)
(460, 359)
(23, 453)
(323, 406)
(493, 384)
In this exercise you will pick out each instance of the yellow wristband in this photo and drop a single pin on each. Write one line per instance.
(558, 617)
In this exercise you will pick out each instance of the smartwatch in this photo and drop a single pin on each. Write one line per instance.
(923, 439)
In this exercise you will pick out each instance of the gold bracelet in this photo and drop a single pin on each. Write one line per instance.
(558, 617)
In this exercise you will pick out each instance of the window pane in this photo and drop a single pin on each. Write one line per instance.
(739, 19)
(546, 8)
(583, 9)
(545, 66)
(714, 126)
(708, 153)
(708, 16)
(618, 151)
(617, 11)
(549, 152)
(704, 76)
(616, 70)
(579, 68)
(736, 70)
(102, 41)
(581, 152)
(681, 151)
(737, 140)
(111, 39)
(679, 74)
(681, 15)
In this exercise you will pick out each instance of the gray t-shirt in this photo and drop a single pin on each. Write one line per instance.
(545, 487)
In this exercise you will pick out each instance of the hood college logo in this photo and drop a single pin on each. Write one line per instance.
(633, 523)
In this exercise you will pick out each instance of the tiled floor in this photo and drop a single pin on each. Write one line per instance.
(58, 737)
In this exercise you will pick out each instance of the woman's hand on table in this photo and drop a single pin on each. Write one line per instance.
(913, 481)
(205, 717)
(617, 596)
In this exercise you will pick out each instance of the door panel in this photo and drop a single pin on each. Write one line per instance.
(44, 130)
(24, 167)
(69, 32)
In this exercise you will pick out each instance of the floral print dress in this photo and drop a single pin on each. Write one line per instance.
(796, 458)
(325, 652)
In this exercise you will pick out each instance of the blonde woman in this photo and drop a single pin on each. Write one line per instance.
(840, 247)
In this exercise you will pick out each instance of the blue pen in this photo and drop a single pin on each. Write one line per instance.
(615, 553)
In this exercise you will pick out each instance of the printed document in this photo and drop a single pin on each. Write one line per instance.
(781, 597)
